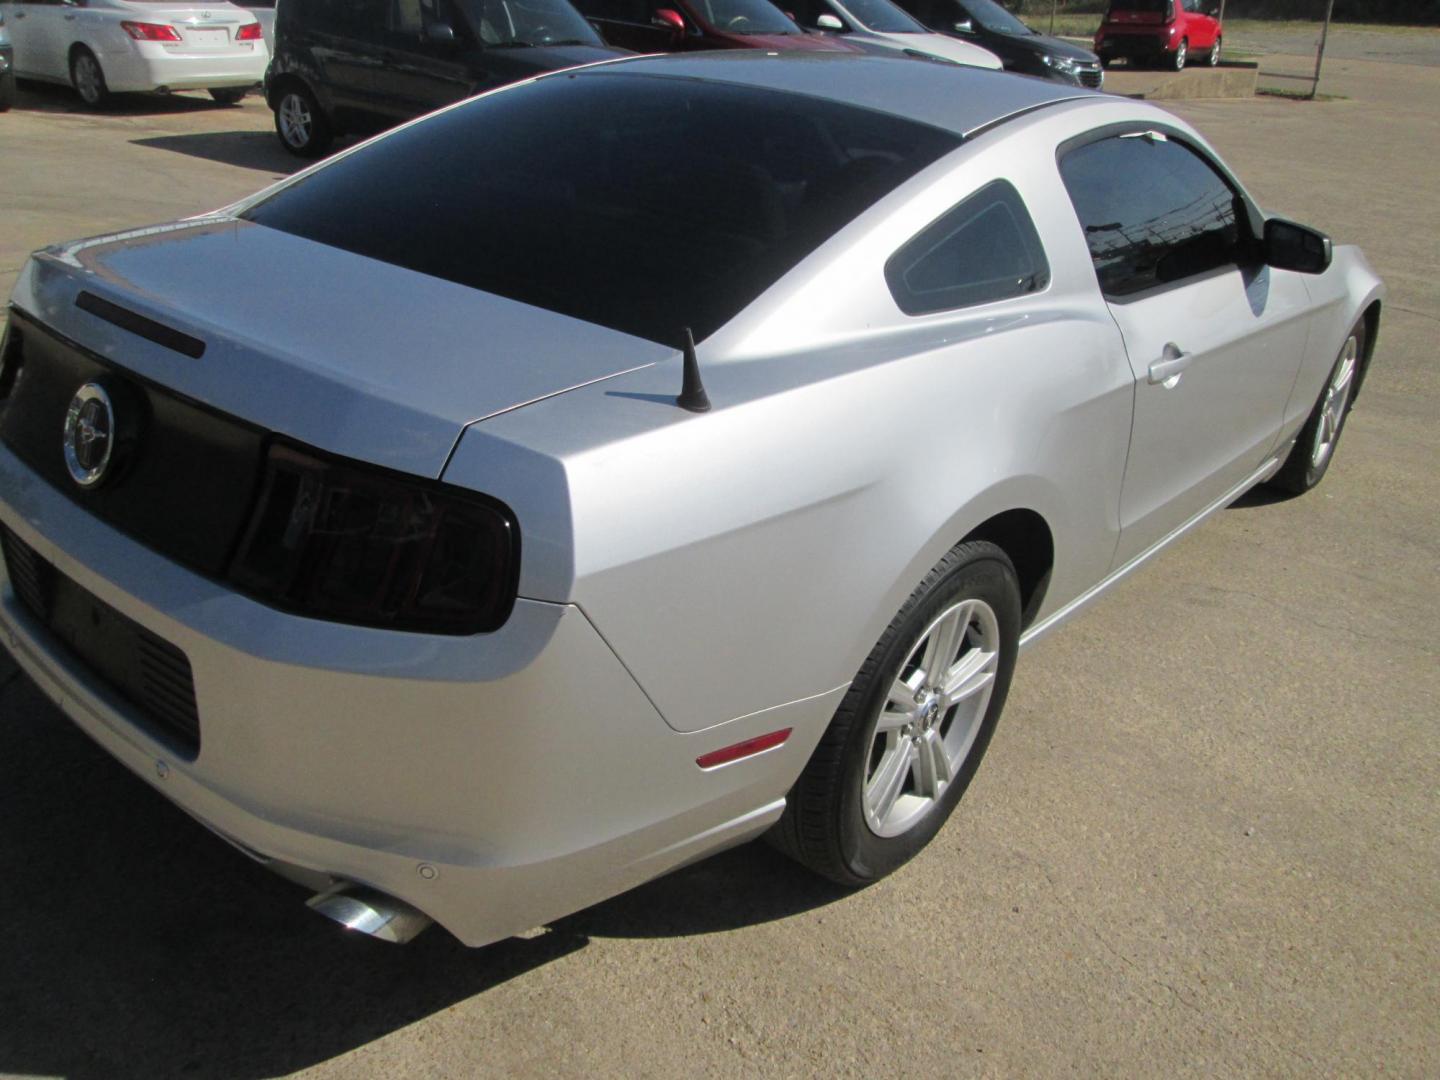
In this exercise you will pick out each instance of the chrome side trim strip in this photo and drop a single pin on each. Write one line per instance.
(1050, 622)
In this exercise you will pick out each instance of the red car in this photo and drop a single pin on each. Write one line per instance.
(1168, 31)
(650, 26)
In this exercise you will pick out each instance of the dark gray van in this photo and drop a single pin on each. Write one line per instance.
(343, 66)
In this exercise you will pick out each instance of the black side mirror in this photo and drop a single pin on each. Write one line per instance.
(1289, 246)
(439, 33)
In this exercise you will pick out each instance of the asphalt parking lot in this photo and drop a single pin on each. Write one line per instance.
(1206, 839)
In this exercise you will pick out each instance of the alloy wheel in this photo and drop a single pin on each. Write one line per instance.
(930, 717)
(296, 122)
(88, 79)
(1337, 400)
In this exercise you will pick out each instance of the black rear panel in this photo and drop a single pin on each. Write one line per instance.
(183, 477)
(143, 669)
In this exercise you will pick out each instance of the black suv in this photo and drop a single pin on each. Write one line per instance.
(344, 66)
(1020, 49)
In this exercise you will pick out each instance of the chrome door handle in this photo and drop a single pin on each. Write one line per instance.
(1167, 369)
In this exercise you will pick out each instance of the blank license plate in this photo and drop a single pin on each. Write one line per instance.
(208, 37)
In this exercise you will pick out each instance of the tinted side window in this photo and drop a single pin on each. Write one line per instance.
(985, 249)
(363, 19)
(1153, 212)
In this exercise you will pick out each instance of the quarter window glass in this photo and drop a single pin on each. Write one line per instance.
(1153, 212)
(986, 249)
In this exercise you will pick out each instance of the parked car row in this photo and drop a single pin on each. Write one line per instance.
(338, 66)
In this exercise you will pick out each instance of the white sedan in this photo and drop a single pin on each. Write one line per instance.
(105, 46)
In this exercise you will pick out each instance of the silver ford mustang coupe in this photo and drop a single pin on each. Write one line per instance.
(631, 462)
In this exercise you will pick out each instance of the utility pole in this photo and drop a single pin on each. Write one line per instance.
(1053, 5)
(1320, 52)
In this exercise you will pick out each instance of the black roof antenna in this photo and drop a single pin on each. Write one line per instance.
(692, 391)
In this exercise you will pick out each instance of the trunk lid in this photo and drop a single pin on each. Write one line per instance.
(344, 353)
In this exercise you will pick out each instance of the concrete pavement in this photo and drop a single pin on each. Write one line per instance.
(1206, 840)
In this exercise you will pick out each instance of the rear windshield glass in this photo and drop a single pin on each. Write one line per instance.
(1155, 7)
(883, 17)
(641, 203)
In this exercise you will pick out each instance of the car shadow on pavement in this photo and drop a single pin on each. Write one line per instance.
(243, 149)
(34, 96)
(742, 887)
(1260, 495)
(135, 943)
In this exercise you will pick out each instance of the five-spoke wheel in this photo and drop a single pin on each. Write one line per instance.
(1315, 446)
(300, 123)
(931, 716)
(910, 733)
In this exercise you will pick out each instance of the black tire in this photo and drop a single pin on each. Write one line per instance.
(1213, 56)
(7, 91)
(88, 78)
(1311, 455)
(825, 824)
(300, 123)
(1180, 55)
(229, 95)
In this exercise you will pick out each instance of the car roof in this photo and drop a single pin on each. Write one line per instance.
(954, 97)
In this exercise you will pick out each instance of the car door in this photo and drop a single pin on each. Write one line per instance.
(344, 38)
(34, 28)
(1200, 27)
(424, 70)
(1214, 337)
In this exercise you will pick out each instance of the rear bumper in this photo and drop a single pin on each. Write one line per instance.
(150, 66)
(1125, 45)
(494, 782)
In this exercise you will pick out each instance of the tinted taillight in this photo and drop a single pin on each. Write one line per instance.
(348, 543)
(249, 32)
(144, 31)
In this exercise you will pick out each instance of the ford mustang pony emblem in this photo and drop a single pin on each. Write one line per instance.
(89, 435)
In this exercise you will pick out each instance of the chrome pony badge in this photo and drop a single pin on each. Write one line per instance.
(89, 435)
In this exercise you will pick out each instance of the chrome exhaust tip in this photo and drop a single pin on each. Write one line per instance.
(370, 911)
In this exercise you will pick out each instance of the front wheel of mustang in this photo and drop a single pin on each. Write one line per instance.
(1315, 446)
(910, 733)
